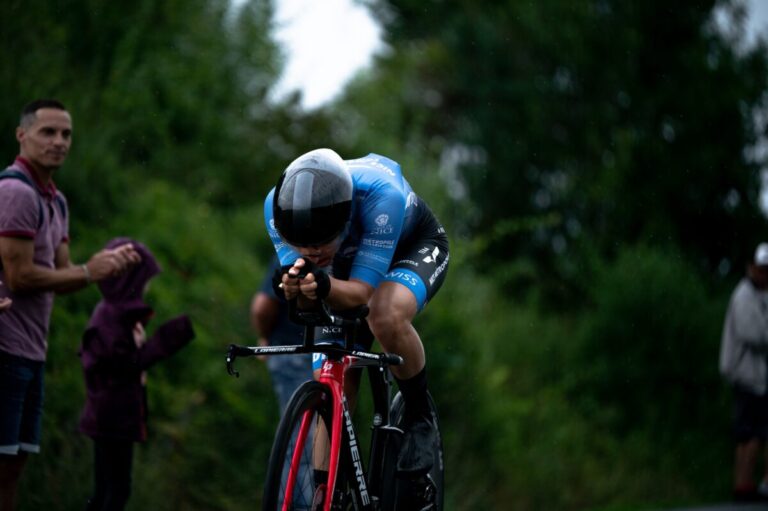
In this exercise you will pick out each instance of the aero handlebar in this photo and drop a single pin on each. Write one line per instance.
(349, 320)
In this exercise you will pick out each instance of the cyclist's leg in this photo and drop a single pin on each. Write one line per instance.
(393, 307)
(419, 269)
(427, 490)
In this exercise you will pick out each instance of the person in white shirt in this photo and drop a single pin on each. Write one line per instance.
(744, 364)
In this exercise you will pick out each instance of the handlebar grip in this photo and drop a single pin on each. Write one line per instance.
(240, 351)
(393, 359)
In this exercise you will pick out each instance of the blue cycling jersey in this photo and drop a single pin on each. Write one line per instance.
(383, 209)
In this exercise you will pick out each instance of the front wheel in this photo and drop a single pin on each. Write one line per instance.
(430, 489)
(300, 453)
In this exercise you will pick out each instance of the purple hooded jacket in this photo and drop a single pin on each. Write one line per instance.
(116, 403)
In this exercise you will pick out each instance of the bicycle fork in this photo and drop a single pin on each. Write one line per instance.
(332, 376)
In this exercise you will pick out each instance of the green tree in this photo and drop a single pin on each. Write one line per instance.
(579, 126)
(170, 90)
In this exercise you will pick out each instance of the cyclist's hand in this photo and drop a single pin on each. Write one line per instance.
(315, 283)
(291, 281)
(308, 286)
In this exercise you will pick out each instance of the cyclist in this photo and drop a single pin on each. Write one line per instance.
(360, 235)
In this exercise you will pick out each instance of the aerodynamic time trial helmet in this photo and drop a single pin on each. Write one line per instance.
(313, 199)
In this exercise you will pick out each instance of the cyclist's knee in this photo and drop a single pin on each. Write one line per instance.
(391, 317)
(388, 322)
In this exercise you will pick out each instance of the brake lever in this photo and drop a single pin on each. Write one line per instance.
(231, 362)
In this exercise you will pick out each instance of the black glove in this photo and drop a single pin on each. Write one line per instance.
(321, 277)
(277, 280)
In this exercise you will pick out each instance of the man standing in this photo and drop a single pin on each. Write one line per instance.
(744, 364)
(34, 253)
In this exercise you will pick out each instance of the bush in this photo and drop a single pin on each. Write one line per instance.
(645, 366)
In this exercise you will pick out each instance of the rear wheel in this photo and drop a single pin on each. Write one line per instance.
(300, 452)
(428, 490)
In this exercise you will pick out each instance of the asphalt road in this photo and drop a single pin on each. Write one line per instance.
(727, 507)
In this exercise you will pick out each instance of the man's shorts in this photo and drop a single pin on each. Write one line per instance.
(21, 403)
(750, 419)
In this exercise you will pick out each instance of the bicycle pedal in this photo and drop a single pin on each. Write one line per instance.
(341, 502)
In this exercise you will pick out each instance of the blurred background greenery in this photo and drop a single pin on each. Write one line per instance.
(596, 163)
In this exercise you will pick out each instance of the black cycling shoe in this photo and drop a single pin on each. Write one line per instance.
(417, 454)
(416, 494)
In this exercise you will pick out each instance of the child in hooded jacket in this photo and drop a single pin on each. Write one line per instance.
(115, 353)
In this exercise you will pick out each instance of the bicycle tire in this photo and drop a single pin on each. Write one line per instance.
(437, 473)
(312, 399)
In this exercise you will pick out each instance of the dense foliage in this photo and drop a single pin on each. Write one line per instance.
(593, 162)
(586, 124)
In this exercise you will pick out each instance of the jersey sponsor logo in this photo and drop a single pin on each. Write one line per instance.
(383, 231)
(405, 277)
(383, 226)
(378, 243)
(374, 256)
(407, 261)
(277, 349)
(412, 200)
(440, 269)
(432, 258)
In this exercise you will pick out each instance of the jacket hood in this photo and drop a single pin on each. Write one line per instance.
(128, 288)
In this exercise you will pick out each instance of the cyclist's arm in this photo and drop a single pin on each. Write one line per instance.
(343, 294)
(346, 294)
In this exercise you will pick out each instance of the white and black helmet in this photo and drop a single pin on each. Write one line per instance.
(313, 199)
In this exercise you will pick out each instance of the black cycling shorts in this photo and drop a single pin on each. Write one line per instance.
(750, 418)
(420, 262)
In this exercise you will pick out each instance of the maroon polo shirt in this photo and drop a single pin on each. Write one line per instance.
(24, 327)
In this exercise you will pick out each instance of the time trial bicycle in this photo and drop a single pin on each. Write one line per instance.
(316, 462)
